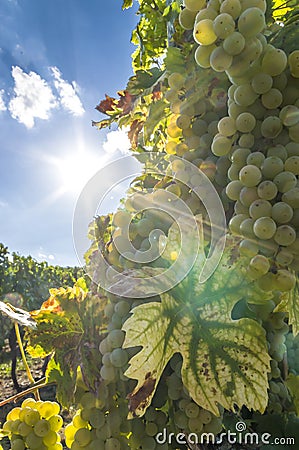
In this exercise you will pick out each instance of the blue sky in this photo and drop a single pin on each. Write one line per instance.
(58, 58)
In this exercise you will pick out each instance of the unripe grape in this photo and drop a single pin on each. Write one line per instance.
(250, 175)
(264, 228)
(186, 19)
(251, 22)
(274, 61)
(203, 32)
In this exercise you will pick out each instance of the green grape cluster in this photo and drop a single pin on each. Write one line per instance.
(259, 135)
(292, 345)
(35, 425)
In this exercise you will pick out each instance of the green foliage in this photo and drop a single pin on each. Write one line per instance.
(221, 356)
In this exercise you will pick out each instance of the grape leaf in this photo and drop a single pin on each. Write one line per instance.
(225, 361)
(292, 383)
(174, 60)
(127, 4)
(290, 304)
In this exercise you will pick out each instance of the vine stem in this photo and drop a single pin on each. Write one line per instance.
(28, 371)
(41, 383)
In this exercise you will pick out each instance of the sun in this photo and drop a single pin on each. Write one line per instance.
(75, 169)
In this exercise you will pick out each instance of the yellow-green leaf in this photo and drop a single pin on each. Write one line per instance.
(292, 383)
(225, 361)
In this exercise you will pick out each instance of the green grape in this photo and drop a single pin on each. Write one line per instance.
(245, 122)
(251, 22)
(294, 132)
(220, 60)
(285, 235)
(34, 442)
(240, 156)
(205, 416)
(248, 248)
(255, 158)
(291, 197)
(195, 425)
(41, 428)
(119, 357)
(108, 373)
(246, 140)
(24, 429)
(245, 95)
(17, 444)
(248, 195)
(246, 228)
(121, 218)
(293, 61)
(202, 55)
(282, 212)
(232, 7)
(55, 422)
(203, 32)
(272, 99)
(285, 280)
(186, 19)
(50, 438)
(271, 127)
(205, 13)
(289, 115)
(31, 416)
(14, 414)
(267, 282)
(83, 436)
(227, 126)
(272, 166)
(194, 5)
(260, 264)
(233, 189)
(284, 258)
(285, 181)
(183, 121)
(116, 338)
(250, 175)
(292, 165)
(192, 410)
(223, 25)
(261, 83)
(278, 151)
(175, 81)
(260, 208)
(274, 61)
(267, 190)
(151, 429)
(48, 409)
(235, 222)
(264, 228)
(112, 444)
(148, 443)
(221, 145)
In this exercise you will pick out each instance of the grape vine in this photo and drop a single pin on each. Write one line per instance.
(213, 112)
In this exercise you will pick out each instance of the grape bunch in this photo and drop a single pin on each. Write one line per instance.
(34, 425)
(259, 134)
(292, 344)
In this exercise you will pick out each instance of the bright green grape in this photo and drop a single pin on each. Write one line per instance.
(245, 95)
(264, 228)
(250, 175)
(202, 55)
(267, 190)
(41, 428)
(227, 126)
(233, 189)
(221, 145)
(203, 32)
(245, 122)
(272, 99)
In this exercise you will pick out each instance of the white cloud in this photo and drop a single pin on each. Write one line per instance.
(117, 141)
(33, 98)
(2, 103)
(68, 93)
